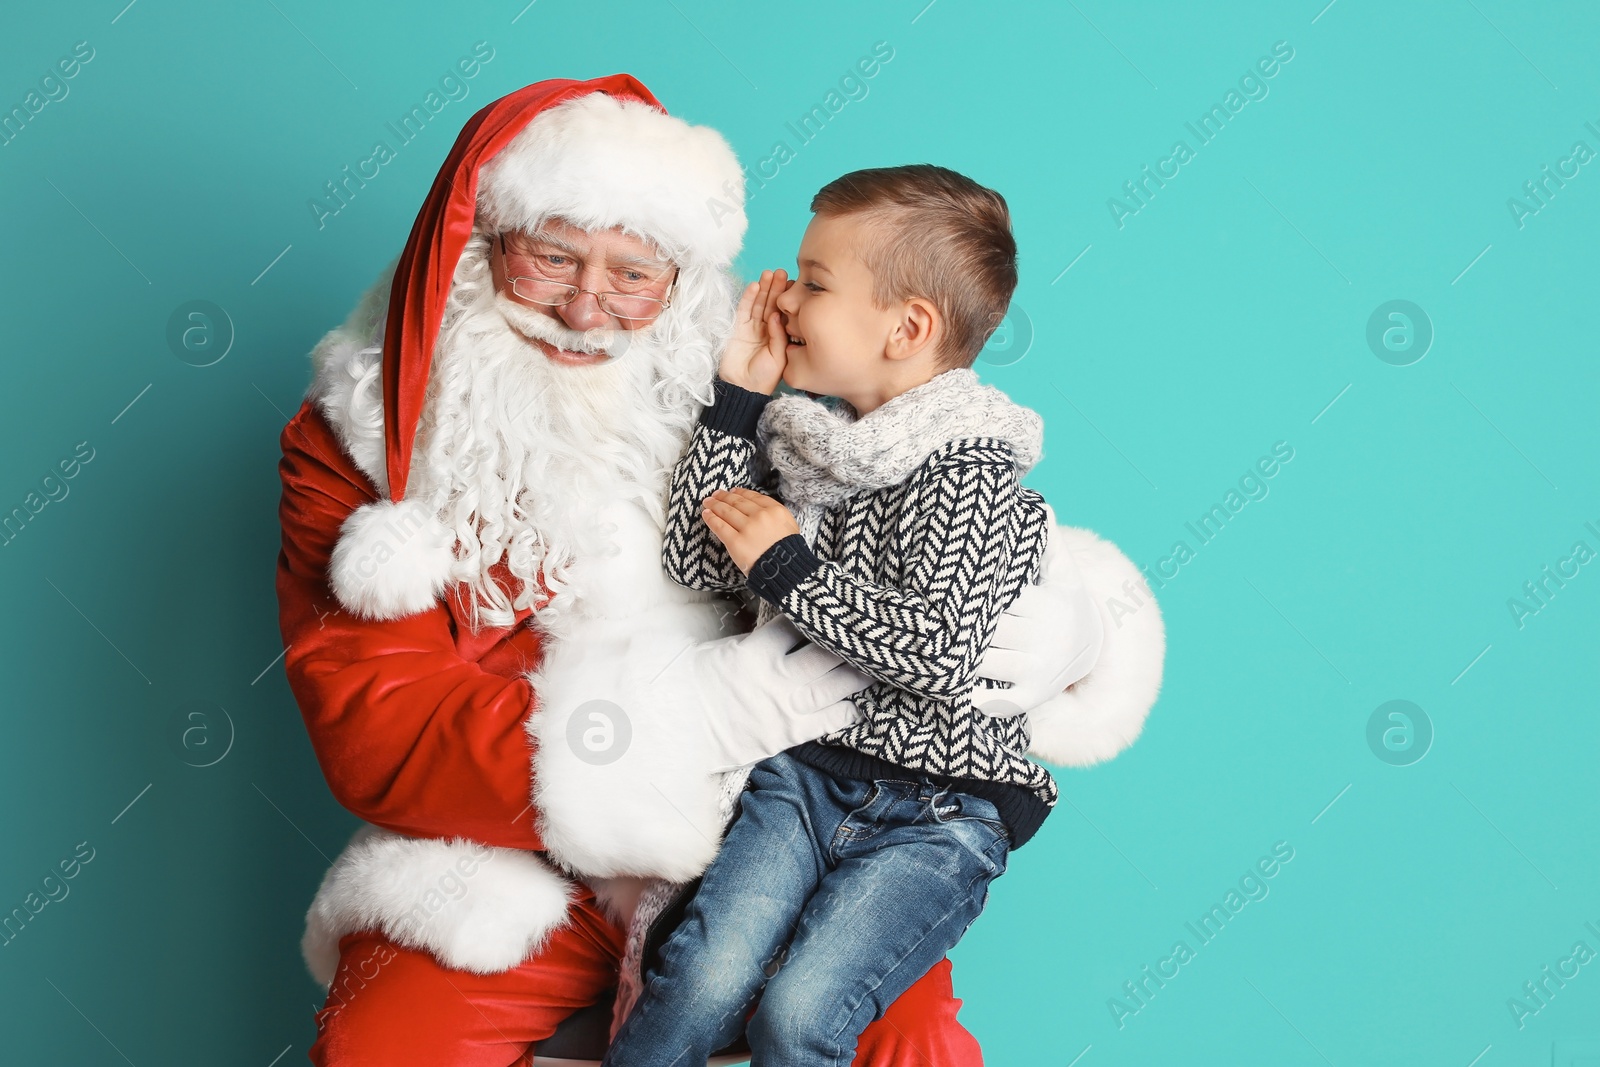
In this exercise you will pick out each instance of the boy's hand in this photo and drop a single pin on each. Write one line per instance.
(755, 355)
(747, 522)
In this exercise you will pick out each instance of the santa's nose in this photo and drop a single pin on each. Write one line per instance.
(585, 313)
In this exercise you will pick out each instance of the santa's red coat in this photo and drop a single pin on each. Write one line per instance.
(417, 722)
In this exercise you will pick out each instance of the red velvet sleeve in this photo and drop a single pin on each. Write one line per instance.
(417, 723)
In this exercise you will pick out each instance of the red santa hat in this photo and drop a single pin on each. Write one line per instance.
(600, 154)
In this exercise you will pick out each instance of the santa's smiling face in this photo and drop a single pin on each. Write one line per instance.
(575, 292)
(548, 403)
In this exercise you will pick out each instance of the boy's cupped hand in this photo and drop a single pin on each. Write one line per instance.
(755, 355)
(747, 523)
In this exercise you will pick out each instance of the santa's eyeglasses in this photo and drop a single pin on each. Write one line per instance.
(538, 288)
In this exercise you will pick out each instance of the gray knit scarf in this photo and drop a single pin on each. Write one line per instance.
(824, 453)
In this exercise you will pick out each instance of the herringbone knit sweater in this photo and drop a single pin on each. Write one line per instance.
(905, 581)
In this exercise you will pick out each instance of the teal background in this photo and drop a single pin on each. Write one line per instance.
(1228, 314)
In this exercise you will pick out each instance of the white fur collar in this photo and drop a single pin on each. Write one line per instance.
(392, 558)
(346, 385)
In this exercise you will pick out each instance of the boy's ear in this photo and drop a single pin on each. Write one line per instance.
(919, 329)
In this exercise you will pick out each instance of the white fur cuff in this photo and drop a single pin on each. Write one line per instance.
(651, 813)
(622, 775)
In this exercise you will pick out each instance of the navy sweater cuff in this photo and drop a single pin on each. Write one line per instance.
(734, 409)
(784, 565)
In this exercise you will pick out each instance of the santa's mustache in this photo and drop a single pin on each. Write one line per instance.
(542, 327)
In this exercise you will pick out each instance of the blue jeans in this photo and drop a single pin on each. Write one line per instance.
(833, 894)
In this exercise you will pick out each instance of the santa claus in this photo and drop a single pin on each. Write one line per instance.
(544, 735)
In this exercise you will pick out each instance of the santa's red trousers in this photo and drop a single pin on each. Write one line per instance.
(396, 1007)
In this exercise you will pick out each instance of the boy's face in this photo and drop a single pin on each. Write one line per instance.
(829, 311)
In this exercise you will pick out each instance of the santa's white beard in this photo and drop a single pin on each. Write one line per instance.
(517, 451)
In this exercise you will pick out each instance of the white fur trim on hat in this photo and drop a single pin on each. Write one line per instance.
(473, 906)
(393, 559)
(1102, 713)
(600, 162)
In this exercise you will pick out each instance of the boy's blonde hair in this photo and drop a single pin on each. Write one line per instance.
(934, 234)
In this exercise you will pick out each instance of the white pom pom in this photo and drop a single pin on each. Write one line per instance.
(393, 559)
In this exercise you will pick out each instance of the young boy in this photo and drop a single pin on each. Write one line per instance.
(859, 859)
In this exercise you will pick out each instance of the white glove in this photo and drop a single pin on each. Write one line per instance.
(760, 698)
(1047, 640)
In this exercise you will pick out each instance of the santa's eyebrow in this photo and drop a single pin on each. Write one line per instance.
(643, 262)
(623, 260)
(543, 238)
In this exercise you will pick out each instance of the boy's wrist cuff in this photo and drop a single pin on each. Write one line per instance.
(734, 409)
(785, 564)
